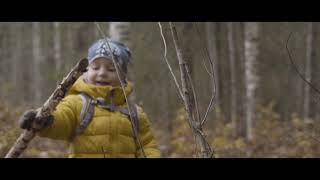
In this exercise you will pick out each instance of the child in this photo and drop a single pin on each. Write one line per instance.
(108, 130)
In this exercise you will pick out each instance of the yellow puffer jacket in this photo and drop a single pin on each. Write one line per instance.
(109, 134)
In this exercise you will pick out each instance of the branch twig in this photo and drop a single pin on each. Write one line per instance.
(125, 94)
(169, 66)
(296, 69)
(213, 95)
(204, 145)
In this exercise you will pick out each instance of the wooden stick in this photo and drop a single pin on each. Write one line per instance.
(48, 107)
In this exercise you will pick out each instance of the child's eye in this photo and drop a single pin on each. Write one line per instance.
(112, 70)
(95, 68)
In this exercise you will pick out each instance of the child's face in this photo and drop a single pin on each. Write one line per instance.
(102, 72)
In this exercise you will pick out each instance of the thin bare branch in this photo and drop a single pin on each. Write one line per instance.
(167, 61)
(302, 77)
(213, 95)
(211, 103)
(125, 94)
(175, 80)
(205, 67)
(205, 149)
(194, 95)
(296, 69)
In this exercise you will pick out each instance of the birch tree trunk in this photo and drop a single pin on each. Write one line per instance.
(241, 91)
(233, 86)
(70, 43)
(251, 77)
(57, 49)
(310, 55)
(120, 31)
(37, 58)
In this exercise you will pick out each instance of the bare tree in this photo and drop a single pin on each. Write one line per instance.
(57, 47)
(233, 87)
(2, 54)
(7, 67)
(310, 56)
(187, 93)
(96, 35)
(70, 42)
(251, 77)
(241, 126)
(37, 58)
(120, 31)
(17, 63)
(25, 66)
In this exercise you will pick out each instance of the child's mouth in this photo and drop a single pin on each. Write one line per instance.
(102, 83)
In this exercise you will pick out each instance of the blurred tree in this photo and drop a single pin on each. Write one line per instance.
(120, 31)
(240, 73)
(57, 49)
(315, 74)
(37, 58)
(70, 43)
(4, 63)
(24, 63)
(233, 85)
(251, 55)
(211, 37)
(310, 56)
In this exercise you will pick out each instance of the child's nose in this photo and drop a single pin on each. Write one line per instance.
(102, 72)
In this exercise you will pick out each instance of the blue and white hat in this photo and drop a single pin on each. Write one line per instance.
(120, 52)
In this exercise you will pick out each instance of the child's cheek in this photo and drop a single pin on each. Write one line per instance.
(90, 77)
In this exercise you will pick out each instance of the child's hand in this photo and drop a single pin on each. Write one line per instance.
(27, 118)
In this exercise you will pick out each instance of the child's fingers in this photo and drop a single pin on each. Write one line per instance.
(27, 118)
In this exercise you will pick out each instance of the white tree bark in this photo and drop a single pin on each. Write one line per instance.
(37, 58)
(120, 31)
(251, 77)
(310, 54)
(233, 87)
